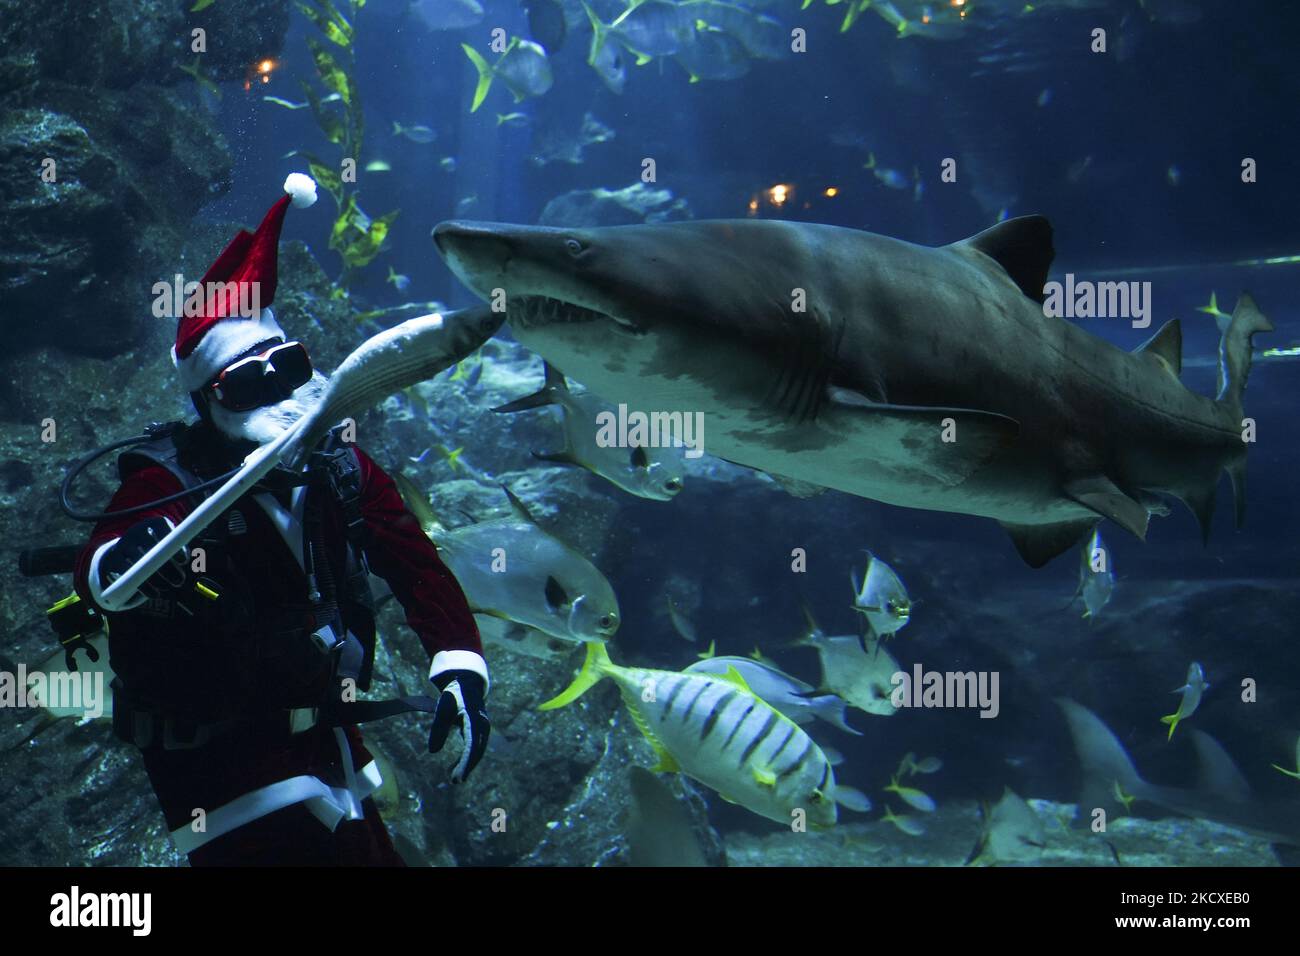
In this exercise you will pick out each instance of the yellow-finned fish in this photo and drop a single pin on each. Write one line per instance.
(1192, 692)
(858, 670)
(514, 569)
(717, 731)
(653, 473)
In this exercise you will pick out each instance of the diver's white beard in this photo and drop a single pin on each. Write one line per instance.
(271, 421)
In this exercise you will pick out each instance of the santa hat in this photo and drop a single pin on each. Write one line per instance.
(206, 343)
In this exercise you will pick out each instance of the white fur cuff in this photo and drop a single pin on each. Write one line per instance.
(460, 661)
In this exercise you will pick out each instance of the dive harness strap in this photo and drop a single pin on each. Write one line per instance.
(146, 729)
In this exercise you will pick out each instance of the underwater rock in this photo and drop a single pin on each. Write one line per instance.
(115, 43)
(614, 207)
(951, 833)
(129, 170)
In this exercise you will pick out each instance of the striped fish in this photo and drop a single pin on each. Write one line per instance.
(715, 729)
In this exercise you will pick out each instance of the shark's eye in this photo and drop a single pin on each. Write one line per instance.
(673, 484)
(573, 245)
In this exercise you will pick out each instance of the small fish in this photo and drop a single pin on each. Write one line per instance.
(1292, 773)
(1126, 799)
(918, 187)
(913, 797)
(1096, 576)
(881, 598)
(647, 29)
(1192, 692)
(859, 673)
(1011, 833)
(447, 164)
(644, 472)
(448, 14)
(512, 568)
(717, 731)
(796, 699)
(513, 119)
(195, 70)
(1173, 175)
(400, 282)
(1221, 318)
(201, 5)
(416, 134)
(378, 166)
(279, 101)
(909, 765)
(886, 177)
(909, 825)
(466, 203)
(523, 69)
(564, 144)
(1044, 98)
(681, 623)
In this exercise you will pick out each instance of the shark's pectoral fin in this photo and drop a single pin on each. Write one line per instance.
(1102, 496)
(1039, 543)
(944, 444)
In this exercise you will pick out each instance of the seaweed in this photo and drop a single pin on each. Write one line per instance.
(355, 236)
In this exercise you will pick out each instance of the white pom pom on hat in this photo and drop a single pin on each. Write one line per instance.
(301, 189)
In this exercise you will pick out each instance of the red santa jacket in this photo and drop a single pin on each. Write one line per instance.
(397, 550)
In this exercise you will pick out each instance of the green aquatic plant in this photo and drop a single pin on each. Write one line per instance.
(355, 236)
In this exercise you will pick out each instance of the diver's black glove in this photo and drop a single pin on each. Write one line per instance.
(460, 703)
(139, 539)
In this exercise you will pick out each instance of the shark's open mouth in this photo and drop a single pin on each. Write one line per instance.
(532, 311)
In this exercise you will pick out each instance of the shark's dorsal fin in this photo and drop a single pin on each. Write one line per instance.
(1167, 346)
(1218, 775)
(1022, 247)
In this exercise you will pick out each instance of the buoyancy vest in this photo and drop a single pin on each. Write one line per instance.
(284, 631)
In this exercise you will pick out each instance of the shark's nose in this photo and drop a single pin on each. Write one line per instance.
(459, 235)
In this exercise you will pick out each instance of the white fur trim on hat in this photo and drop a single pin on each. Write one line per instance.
(222, 344)
(302, 188)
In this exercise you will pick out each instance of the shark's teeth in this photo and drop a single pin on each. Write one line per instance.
(538, 310)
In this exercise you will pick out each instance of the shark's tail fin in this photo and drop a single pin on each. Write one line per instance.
(1108, 773)
(1235, 348)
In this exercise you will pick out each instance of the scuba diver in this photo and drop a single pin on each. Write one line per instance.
(237, 664)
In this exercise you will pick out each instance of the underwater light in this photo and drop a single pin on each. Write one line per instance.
(831, 192)
(779, 193)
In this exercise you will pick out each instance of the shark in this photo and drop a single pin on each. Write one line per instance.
(1222, 794)
(923, 377)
